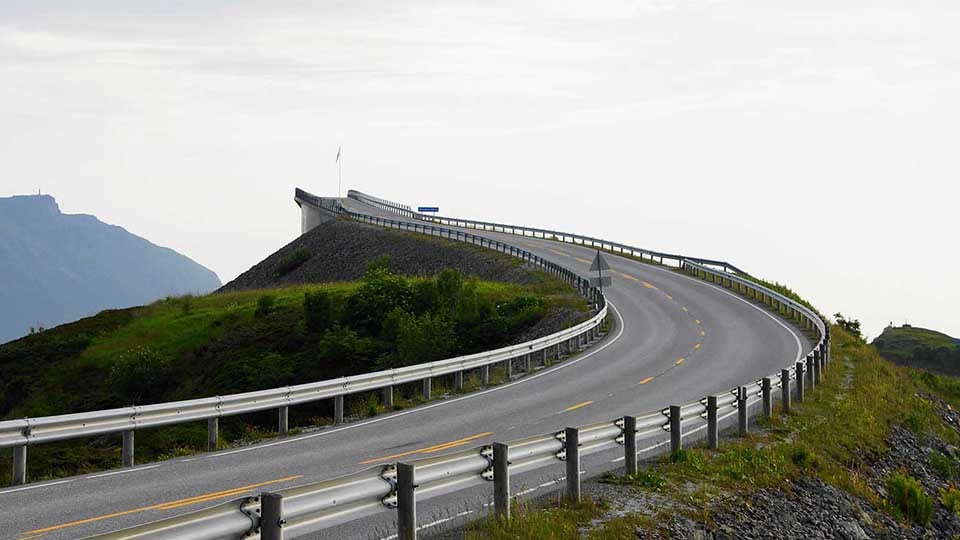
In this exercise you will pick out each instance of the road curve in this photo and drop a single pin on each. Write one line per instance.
(676, 339)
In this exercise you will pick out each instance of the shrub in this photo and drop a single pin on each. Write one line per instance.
(291, 261)
(950, 499)
(946, 466)
(380, 262)
(802, 457)
(186, 304)
(318, 310)
(425, 338)
(265, 305)
(648, 478)
(850, 325)
(906, 494)
(140, 375)
(379, 293)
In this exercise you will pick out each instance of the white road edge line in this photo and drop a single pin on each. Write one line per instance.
(35, 487)
(124, 471)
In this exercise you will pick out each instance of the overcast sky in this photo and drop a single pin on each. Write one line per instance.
(814, 143)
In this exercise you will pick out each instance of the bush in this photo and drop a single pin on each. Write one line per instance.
(140, 375)
(906, 495)
(950, 499)
(850, 325)
(424, 338)
(318, 310)
(946, 466)
(379, 293)
(265, 305)
(380, 262)
(291, 261)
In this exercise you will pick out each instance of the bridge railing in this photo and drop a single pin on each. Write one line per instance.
(19, 434)
(396, 487)
(559, 236)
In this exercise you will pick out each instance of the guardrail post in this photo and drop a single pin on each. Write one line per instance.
(572, 447)
(19, 465)
(428, 388)
(501, 480)
(543, 357)
(811, 371)
(713, 431)
(818, 366)
(508, 368)
(271, 516)
(767, 394)
(800, 374)
(388, 397)
(630, 443)
(283, 421)
(213, 433)
(676, 427)
(485, 375)
(742, 416)
(406, 502)
(126, 452)
(785, 390)
(458, 381)
(338, 409)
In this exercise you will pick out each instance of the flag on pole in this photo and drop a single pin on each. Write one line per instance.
(338, 154)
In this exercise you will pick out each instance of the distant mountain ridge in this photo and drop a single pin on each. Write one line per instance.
(920, 347)
(56, 268)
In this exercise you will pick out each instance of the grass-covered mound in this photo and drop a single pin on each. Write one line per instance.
(919, 347)
(190, 347)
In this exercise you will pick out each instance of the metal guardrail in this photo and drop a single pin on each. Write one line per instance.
(308, 508)
(520, 230)
(30, 431)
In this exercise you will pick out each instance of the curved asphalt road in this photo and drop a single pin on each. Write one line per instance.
(677, 339)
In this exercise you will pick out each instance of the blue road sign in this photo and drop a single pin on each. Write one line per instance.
(428, 209)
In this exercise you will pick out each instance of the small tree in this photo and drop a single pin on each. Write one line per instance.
(318, 309)
(850, 325)
(265, 305)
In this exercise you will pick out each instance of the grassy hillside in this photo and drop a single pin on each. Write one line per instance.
(920, 347)
(870, 453)
(188, 347)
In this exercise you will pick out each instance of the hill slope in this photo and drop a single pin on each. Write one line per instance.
(57, 268)
(920, 347)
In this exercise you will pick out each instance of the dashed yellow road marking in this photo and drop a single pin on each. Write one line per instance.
(649, 285)
(668, 296)
(645, 381)
(680, 361)
(560, 253)
(578, 405)
(165, 506)
(685, 309)
(698, 321)
(702, 333)
(696, 347)
(582, 260)
(628, 276)
(429, 449)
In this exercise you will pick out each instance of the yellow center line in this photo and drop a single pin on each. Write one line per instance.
(560, 253)
(668, 296)
(577, 406)
(685, 309)
(628, 276)
(582, 260)
(649, 285)
(166, 505)
(645, 381)
(696, 347)
(680, 361)
(429, 449)
(698, 321)
(702, 333)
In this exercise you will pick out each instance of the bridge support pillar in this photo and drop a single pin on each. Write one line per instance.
(501, 480)
(213, 433)
(126, 452)
(713, 431)
(338, 409)
(19, 465)
(283, 421)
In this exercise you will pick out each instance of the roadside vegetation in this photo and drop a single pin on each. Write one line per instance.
(189, 347)
(838, 435)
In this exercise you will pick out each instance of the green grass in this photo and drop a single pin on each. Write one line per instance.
(899, 343)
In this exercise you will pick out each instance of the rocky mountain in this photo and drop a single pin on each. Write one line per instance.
(56, 268)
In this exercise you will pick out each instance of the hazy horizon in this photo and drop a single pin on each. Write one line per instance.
(809, 144)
